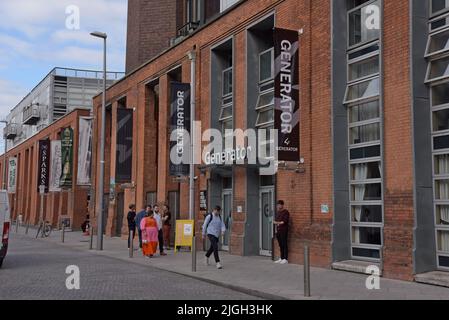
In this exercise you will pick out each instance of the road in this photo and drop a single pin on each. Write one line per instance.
(35, 269)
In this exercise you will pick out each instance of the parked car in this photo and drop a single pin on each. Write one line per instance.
(5, 224)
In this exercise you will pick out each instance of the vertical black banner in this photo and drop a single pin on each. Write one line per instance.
(124, 153)
(287, 93)
(44, 164)
(180, 126)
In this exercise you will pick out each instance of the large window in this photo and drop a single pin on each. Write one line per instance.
(437, 53)
(227, 103)
(362, 99)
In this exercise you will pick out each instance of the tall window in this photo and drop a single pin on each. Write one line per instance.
(437, 77)
(265, 101)
(226, 114)
(362, 99)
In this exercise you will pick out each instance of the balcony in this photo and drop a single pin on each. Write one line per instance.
(31, 114)
(187, 29)
(11, 131)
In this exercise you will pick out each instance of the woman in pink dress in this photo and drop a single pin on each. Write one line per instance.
(149, 229)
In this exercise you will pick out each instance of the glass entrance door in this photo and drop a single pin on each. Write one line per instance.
(266, 211)
(226, 215)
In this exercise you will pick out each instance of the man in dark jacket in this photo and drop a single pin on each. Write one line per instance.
(281, 223)
(131, 217)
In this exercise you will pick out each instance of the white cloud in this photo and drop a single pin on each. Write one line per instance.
(10, 95)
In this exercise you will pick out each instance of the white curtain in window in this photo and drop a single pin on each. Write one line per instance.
(443, 189)
(445, 241)
(443, 164)
(444, 213)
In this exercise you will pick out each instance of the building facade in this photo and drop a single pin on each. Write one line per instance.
(371, 186)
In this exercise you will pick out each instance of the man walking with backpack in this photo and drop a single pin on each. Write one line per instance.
(213, 228)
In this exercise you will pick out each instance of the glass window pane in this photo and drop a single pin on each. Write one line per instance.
(364, 235)
(365, 171)
(364, 111)
(265, 116)
(439, 68)
(367, 214)
(226, 112)
(366, 192)
(366, 253)
(266, 99)
(358, 29)
(443, 215)
(440, 94)
(227, 82)
(439, 5)
(363, 90)
(266, 66)
(441, 120)
(366, 152)
(364, 68)
(442, 189)
(443, 241)
(441, 164)
(366, 133)
(438, 42)
(439, 23)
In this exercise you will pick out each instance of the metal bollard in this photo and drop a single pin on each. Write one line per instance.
(306, 271)
(194, 254)
(63, 233)
(131, 243)
(27, 227)
(91, 241)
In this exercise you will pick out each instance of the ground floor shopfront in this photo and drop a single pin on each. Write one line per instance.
(362, 191)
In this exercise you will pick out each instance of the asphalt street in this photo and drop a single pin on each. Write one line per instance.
(36, 269)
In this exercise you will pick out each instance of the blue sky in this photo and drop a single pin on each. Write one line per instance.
(34, 39)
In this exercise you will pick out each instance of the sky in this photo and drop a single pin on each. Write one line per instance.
(38, 35)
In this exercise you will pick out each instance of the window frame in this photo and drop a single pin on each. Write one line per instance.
(366, 42)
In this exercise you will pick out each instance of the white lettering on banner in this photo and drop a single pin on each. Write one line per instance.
(286, 88)
(180, 122)
(227, 156)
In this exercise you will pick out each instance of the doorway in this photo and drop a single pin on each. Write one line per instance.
(120, 214)
(266, 213)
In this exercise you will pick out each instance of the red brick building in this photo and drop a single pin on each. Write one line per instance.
(372, 188)
(69, 203)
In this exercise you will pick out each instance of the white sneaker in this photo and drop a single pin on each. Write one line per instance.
(219, 266)
(284, 261)
(278, 261)
(206, 261)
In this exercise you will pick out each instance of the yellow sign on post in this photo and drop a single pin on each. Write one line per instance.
(184, 233)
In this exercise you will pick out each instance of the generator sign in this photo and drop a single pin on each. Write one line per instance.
(12, 174)
(287, 93)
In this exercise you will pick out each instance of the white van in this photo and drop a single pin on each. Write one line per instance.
(5, 223)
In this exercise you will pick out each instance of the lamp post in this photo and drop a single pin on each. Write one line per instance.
(192, 216)
(4, 156)
(100, 216)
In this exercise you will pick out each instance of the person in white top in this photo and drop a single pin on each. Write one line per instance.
(158, 218)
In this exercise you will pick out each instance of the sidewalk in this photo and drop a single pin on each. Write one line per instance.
(259, 276)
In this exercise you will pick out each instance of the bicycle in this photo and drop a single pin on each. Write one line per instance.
(44, 229)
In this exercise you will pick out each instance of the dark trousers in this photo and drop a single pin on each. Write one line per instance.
(133, 230)
(283, 244)
(213, 247)
(139, 232)
(160, 237)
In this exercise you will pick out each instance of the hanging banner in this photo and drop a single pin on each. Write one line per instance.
(12, 174)
(55, 166)
(124, 153)
(43, 178)
(84, 152)
(66, 158)
(179, 128)
(287, 94)
(203, 200)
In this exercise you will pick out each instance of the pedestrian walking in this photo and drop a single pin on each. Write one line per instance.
(281, 222)
(213, 228)
(148, 226)
(166, 220)
(158, 218)
(138, 219)
(131, 217)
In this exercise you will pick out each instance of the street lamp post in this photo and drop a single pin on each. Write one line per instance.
(100, 216)
(4, 156)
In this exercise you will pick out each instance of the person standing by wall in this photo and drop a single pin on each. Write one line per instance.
(213, 227)
(139, 218)
(158, 218)
(131, 217)
(166, 220)
(281, 222)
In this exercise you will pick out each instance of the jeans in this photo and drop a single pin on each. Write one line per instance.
(213, 247)
(139, 232)
(133, 230)
(167, 229)
(160, 237)
(283, 244)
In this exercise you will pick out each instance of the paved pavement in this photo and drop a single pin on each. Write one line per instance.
(260, 276)
(35, 269)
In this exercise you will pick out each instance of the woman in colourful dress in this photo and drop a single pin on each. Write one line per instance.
(149, 229)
